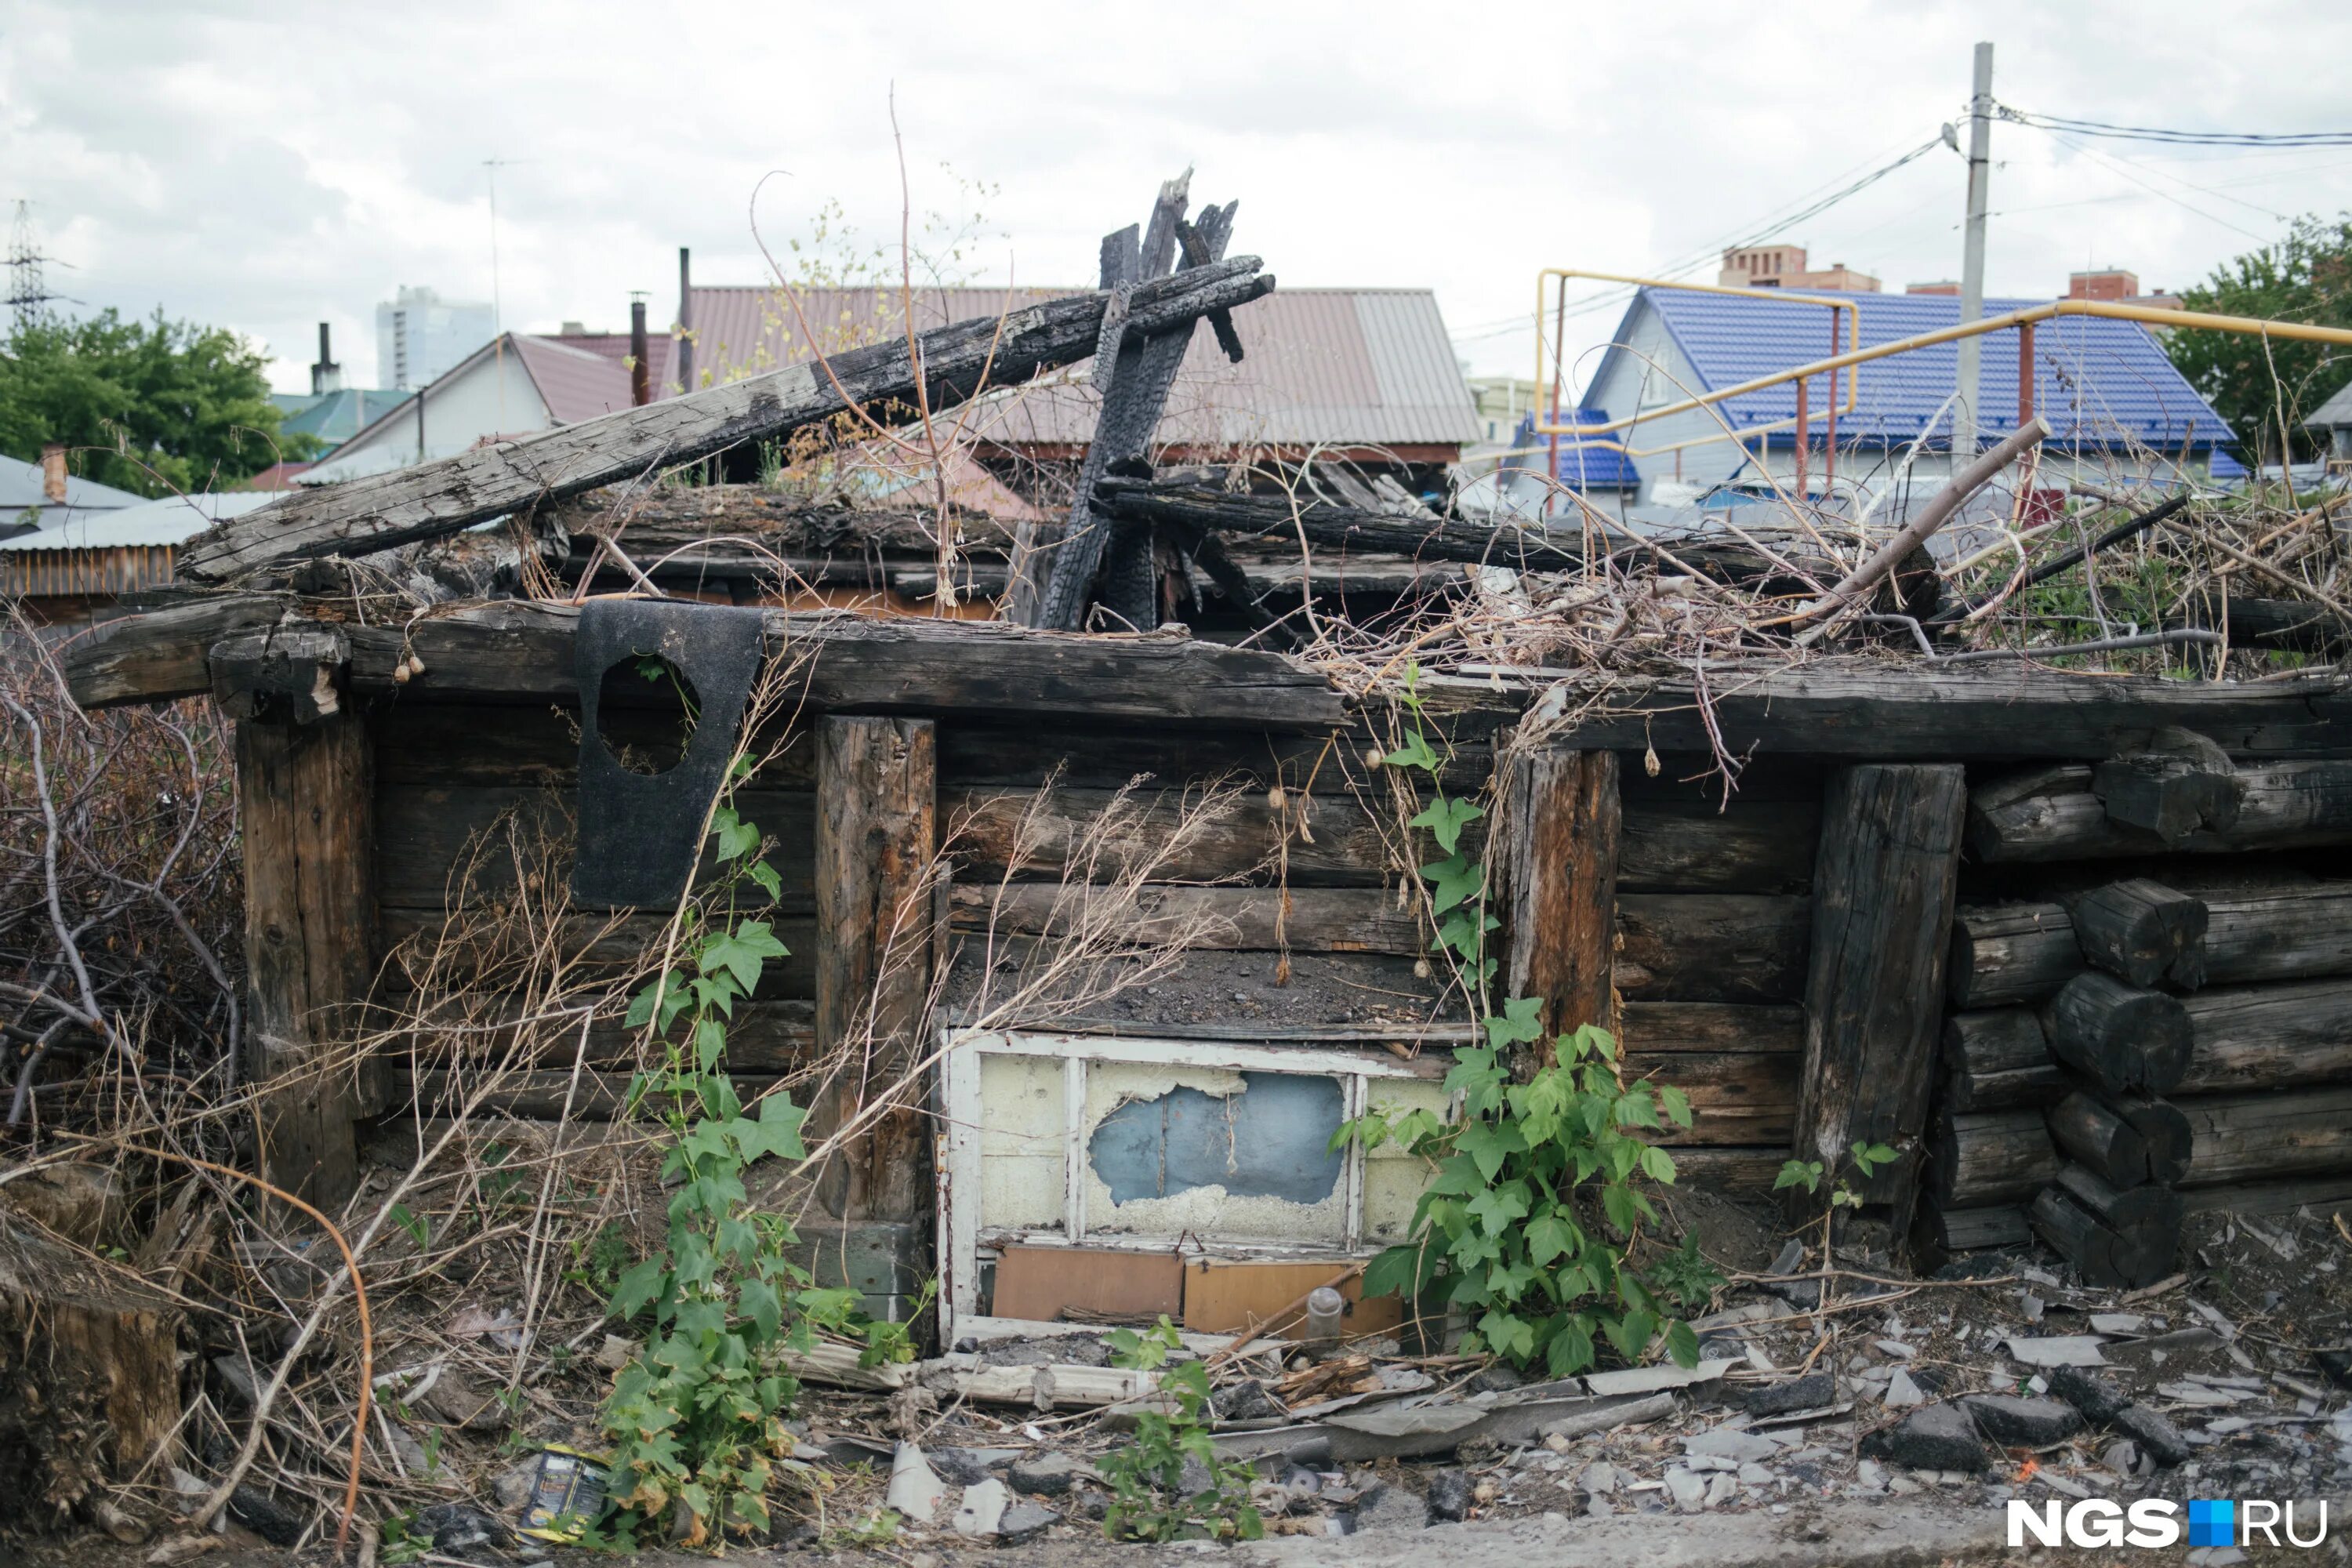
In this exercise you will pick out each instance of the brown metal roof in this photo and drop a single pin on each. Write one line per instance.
(1344, 367)
(615, 347)
(576, 384)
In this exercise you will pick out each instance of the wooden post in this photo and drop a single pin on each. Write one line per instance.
(1563, 874)
(876, 839)
(1882, 889)
(306, 800)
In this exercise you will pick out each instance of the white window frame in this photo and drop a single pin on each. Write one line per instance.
(961, 1238)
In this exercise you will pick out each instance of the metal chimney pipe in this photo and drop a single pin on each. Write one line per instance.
(685, 320)
(326, 376)
(641, 373)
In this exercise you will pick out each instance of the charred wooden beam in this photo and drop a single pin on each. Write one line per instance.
(2294, 932)
(2266, 1137)
(289, 675)
(2007, 954)
(956, 362)
(1997, 1060)
(2127, 1142)
(1883, 890)
(1562, 869)
(2108, 1255)
(1973, 1230)
(2052, 814)
(2124, 1038)
(2268, 1036)
(1979, 1158)
(2181, 782)
(2144, 932)
(2299, 626)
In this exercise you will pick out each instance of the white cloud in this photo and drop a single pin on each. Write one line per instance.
(233, 166)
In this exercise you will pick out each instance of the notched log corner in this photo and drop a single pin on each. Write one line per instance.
(287, 675)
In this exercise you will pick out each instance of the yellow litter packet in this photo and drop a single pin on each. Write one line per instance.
(567, 1493)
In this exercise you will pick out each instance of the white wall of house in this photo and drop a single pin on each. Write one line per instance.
(491, 396)
(1651, 372)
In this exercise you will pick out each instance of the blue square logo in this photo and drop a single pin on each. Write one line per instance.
(2212, 1523)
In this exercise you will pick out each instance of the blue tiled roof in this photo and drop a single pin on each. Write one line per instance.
(2098, 381)
(1583, 465)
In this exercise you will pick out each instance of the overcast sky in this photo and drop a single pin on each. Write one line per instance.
(267, 168)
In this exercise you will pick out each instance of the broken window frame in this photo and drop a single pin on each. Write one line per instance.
(960, 1237)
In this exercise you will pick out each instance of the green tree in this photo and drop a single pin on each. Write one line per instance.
(2306, 277)
(152, 406)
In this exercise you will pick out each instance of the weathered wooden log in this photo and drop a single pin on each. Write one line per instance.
(2007, 954)
(2300, 626)
(2120, 1208)
(1974, 1230)
(1997, 1060)
(2268, 1036)
(1560, 867)
(2127, 1142)
(285, 675)
(956, 362)
(2283, 933)
(2144, 932)
(2321, 1196)
(2051, 814)
(1712, 947)
(2179, 783)
(2128, 1257)
(1299, 920)
(1882, 889)
(1981, 1158)
(2126, 1039)
(2266, 1137)
(536, 1094)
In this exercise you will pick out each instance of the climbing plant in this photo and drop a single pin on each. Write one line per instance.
(697, 1419)
(1499, 1233)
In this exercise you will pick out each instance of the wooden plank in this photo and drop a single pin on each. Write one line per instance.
(1746, 1171)
(597, 942)
(426, 832)
(1241, 835)
(439, 744)
(1097, 1285)
(2268, 1137)
(163, 654)
(876, 834)
(1969, 1230)
(1664, 1028)
(2006, 954)
(2051, 814)
(1749, 847)
(2323, 1196)
(1712, 947)
(1233, 1295)
(1844, 709)
(1561, 866)
(2281, 933)
(547, 1094)
(304, 802)
(979, 753)
(2268, 1036)
(521, 651)
(955, 362)
(1308, 919)
(1883, 893)
(1736, 1097)
(764, 1038)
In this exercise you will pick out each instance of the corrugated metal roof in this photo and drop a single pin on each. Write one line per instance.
(615, 347)
(1348, 368)
(20, 488)
(2337, 410)
(2098, 381)
(576, 384)
(170, 521)
(335, 416)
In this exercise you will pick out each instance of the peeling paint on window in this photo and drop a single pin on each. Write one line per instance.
(1268, 1137)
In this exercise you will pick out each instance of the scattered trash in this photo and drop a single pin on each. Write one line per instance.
(567, 1494)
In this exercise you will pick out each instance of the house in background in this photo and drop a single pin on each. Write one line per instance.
(2119, 409)
(1365, 377)
(71, 572)
(515, 384)
(2331, 423)
(330, 413)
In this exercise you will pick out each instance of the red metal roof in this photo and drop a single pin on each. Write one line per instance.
(615, 347)
(576, 384)
(1344, 367)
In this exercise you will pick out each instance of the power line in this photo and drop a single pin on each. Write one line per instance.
(2173, 137)
(28, 288)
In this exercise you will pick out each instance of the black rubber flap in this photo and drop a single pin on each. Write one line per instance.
(640, 834)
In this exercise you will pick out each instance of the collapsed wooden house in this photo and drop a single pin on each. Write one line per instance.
(2072, 945)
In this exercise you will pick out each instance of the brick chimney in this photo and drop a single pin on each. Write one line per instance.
(2109, 283)
(53, 473)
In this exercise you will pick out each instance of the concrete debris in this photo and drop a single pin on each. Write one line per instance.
(2095, 1397)
(1688, 1491)
(1449, 1496)
(969, 1467)
(1902, 1393)
(2158, 1439)
(1392, 1508)
(1599, 1477)
(982, 1512)
(1023, 1522)
(2062, 1350)
(1724, 1443)
(1933, 1438)
(2018, 1423)
(1651, 1379)
(1045, 1475)
(916, 1490)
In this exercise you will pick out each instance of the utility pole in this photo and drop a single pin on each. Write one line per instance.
(1972, 258)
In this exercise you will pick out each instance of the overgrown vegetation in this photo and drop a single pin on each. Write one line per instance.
(697, 1420)
(1499, 1232)
(1149, 1499)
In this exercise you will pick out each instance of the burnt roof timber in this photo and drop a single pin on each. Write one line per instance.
(522, 651)
(440, 498)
